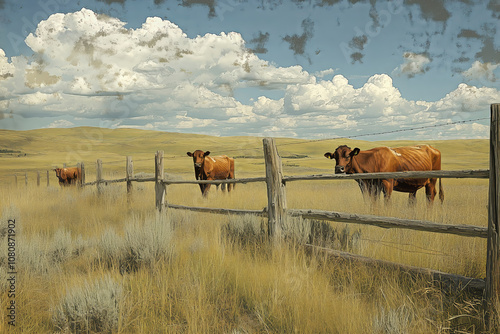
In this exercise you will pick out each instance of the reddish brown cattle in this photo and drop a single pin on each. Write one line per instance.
(212, 168)
(384, 159)
(68, 176)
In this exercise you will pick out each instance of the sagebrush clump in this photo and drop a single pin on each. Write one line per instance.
(92, 307)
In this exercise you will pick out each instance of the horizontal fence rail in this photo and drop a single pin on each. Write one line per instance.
(451, 280)
(261, 213)
(391, 222)
(225, 181)
(461, 174)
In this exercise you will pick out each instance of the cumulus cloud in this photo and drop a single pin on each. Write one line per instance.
(6, 68)
(88, 67)
(60, 124)
(337, 109)
(480, 71)
(413, 64)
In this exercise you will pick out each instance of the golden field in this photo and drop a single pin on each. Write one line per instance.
(114, 257)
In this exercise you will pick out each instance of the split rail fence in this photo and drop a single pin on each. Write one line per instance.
(277, 211)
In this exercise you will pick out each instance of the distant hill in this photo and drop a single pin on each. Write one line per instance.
(44, 149)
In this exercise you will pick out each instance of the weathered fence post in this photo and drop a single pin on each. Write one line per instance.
(492, 291)
(38, 178)
(48, 179)
(276, 195)
(26, 179)
(129, 169)
(15, 179)
(98, 177)
(82, 166)
(159, 185)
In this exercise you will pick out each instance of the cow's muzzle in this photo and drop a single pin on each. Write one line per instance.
(339, 169)
(197, 164)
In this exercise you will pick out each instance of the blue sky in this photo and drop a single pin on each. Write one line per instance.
(307, 69)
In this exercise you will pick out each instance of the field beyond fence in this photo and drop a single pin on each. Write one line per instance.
(278, 213)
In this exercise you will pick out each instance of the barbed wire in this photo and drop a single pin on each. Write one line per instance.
(374, 133)
(424, 251)
(323, 139)
(417, 128)
(395, 131)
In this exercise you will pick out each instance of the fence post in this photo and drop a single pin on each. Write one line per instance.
(48, 179)
(129, 169)
(15, 179)
(26, 179)
(98, 177)
(492, 291)
(79, 181)
(38, 178)
(276, 195)
(159, 175)
(82, 166)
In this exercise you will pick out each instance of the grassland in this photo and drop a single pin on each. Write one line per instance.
(199, 273)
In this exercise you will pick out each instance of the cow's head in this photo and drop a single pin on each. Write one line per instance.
(198, 157)
(60, 174)
(343, 158)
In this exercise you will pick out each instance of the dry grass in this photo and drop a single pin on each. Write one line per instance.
(201, 273)
(221, 275)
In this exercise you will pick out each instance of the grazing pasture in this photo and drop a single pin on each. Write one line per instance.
(191, 272)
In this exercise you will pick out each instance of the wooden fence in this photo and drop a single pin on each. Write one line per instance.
(277, 211)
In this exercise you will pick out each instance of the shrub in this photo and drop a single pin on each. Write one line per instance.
(61, 247)
(33, 255)
(148, 242)
(246, 229)
(110, 247)
(143, 244)
(90, 308)
(325, 235)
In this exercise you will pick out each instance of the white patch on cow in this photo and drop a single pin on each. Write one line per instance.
(213, 160)
(395, 153)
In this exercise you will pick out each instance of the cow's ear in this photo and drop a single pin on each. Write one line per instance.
(190, 154)
(328, 155)
(354, 152)
(206, 153)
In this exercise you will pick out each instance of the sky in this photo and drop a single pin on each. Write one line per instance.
(315, 69)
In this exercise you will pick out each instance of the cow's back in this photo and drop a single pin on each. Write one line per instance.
(417, 158)
(218, 167)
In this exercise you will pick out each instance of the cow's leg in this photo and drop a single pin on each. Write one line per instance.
(373, 190)
(205, 190)
(412, 198)
(365, 189)
(430, 190)
(202, 186)
(230, 185)
(387, 187)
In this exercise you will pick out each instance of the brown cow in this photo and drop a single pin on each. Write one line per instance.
(69, 176)
(212, 168)
(384, 159)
